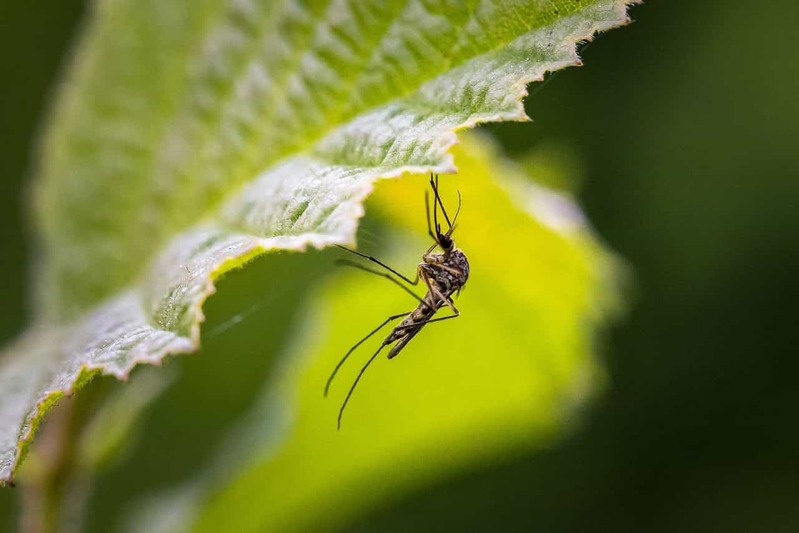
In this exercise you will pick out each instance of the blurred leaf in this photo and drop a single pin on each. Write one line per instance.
(113, 428)
(192, 136)
(557, 165)
(504, 377)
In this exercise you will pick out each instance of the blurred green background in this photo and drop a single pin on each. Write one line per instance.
(686, 123)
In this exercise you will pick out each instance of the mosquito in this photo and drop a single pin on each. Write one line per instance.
(443, 273)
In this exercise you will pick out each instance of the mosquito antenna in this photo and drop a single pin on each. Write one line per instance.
(355, 383)
(455, 218)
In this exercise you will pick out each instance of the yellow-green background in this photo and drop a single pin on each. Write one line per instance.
(685, 124)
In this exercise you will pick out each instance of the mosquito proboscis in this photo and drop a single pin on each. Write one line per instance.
(444, 274)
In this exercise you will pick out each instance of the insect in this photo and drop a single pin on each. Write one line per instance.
(444, 273)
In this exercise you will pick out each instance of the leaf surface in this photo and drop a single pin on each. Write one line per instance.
(508, 375)
(192, 136)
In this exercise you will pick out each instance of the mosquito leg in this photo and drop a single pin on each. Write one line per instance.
(437, 293)
(429, 227)
(426, 257)
(382, 264)
(434, 185)
(347, 262)
(446, 300)
(355, 383)
(378, 328)
(428, 321)
(453, 270)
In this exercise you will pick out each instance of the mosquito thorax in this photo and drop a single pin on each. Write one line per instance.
(457, 259)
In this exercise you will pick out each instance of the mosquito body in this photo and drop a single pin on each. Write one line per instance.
(444, 274)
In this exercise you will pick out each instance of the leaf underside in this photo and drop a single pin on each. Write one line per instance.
(193, 136)
(507, 377)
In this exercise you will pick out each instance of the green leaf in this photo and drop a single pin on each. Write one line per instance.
(506, 376)
(192, 136)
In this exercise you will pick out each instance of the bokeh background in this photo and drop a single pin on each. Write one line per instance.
(686, 126)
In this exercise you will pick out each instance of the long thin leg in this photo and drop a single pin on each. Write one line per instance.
(428, 321)
(435, 205)
(409, 331)
(355, 383)
(382, 264)
(378, 328)
(347, 262)
(427, 213)
(437, 293)
(454, 270)
(439, 202)
(434, 185)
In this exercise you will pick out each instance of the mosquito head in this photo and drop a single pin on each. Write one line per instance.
(443, 239)
(446, 242)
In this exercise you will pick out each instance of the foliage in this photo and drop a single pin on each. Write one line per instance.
(192, 137)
